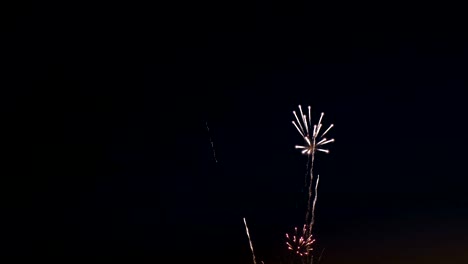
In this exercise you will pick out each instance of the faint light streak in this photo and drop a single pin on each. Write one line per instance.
(250, 241)
(211, 141)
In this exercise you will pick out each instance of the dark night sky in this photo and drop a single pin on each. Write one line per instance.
(107, 152)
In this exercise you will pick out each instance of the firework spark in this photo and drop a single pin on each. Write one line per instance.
(300, 243)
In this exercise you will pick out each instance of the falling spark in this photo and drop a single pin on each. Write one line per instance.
(327, 130)
(299, 122)
(326, 142)
(305, 123)
(302, 114)
(319, 124)
(300, 132)
(324, 150)
(250, 241)
(321, 141)
(211, 141)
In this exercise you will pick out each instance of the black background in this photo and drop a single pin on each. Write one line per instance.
(107, 151)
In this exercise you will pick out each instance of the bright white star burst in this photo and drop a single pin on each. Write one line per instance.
(311, 137)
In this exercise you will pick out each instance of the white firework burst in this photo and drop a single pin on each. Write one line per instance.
(314, 141)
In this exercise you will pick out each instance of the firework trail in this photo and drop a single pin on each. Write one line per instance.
(314, 142)
(307, 173)
(313, 205)
(250, 241)
(211, 141)
(320, 257)
(308, 212)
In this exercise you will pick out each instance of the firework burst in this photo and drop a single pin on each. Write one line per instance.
(314, 141)
(300, 243)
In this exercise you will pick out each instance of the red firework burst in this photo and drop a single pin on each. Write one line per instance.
(299, 243)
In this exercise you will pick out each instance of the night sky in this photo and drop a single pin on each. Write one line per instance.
(107, 151)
